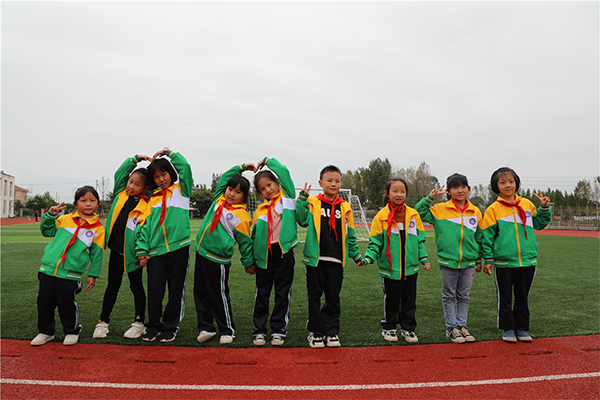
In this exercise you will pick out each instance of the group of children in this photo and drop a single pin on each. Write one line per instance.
(154, 233)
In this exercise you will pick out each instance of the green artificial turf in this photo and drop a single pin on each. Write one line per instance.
(565, 298)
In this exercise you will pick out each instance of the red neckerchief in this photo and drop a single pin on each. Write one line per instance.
(520, 211)
(217, 217)
(390, 221)
(80, 224)
(337, 200)
(270, 210)
(463, 209)
(141, 196)
(163, 210)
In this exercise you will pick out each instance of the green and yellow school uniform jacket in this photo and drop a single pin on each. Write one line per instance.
(284, 205)
(503, 242)
(135, 218)
(415, 251)
(155, 239)
(457, 234)
(308, 215)
(234, 226)
(86, 248)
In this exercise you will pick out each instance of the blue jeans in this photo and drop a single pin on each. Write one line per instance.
(456, 287)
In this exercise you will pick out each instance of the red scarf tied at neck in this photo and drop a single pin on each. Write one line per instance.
(217, 217)
(163, 210)
(337, 200)
(270, 211)
(520, 211)
(390, 222)
(80, 224)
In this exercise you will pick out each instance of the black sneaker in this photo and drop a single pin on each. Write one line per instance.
(168, 336)
(150, 336)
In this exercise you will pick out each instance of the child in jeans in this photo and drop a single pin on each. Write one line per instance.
(458, 242)
(330, 240)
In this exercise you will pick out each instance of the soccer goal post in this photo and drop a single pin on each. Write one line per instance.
(361, 227)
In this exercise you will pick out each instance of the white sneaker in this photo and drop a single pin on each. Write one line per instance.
(101, 330)
(315, 342)
(41, 339)
(70, 340)
(389, 335)
(205, 335)
(137, 329)
(277, 340)
(259, 339)
(409, 336)
(333, 341)
(226, 339)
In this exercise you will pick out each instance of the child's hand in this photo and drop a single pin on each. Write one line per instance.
(435, 192)
(251, 270)
(57, 209)
(306, 189)
(488, 269)
(260, 164)
(361, 263)
(250, 167)
(143, 260)
(162, 152)
(544, 200)
(427, 266)
(90, 283)
(144, 158)
(478, 268)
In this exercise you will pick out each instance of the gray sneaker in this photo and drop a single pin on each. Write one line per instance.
(455, 336)
(465, 333)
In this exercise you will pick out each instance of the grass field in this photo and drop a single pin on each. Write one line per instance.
(564, 301)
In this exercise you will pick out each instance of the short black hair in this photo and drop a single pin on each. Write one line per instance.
(329, 168)
(388, 185)
(244, 184)
(82, 191)
(143, 172)
(264, 174)
(502, 171)
(161, 164)
(455, 180)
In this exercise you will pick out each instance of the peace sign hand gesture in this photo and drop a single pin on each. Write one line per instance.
(544, 200)
(435, 192)
(57, 209)
(306, 189)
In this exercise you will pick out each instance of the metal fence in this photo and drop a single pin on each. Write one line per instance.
(575, 218)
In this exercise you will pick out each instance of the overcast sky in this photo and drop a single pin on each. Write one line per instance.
(465, 86)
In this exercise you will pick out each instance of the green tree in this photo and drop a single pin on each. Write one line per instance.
(375, 177)
(41, 202)
(201, 199)
(215, 182)
(355, 181)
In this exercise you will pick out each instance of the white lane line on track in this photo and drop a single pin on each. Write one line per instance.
(299, 388)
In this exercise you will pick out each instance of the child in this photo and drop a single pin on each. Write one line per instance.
(78, 239)
(274, 237)
(123, 218)
(508, 242)
(226, 223)
(397, 242)
(163, 242)
(458, 243)
(330, 239)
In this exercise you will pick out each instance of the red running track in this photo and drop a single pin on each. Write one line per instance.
(549, 368)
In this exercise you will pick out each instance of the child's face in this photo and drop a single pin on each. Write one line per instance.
(162, 179)
(331, 183)
(267, 187)
(87, 205)
(234, 195)
(507, 186)
(396, 193)
(135, 185)
(459, 193)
